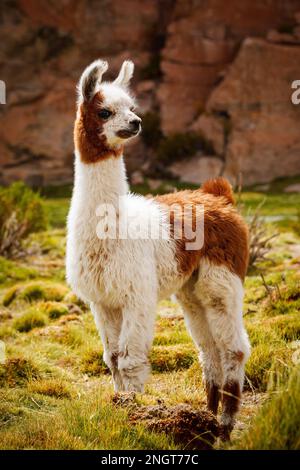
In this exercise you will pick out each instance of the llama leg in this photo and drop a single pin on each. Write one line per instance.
(109, 324)
(209, 356)
(134, 347)
(221, 293)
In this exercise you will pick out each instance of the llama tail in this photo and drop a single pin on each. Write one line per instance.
(219, 187)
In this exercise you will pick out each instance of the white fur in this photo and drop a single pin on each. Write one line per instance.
(122, 279)
(125, 74)
(118, 275)
(122, 104)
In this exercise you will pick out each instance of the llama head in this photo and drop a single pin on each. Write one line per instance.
(106, 108)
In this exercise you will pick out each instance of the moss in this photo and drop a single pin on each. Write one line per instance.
(93, 364)
(54, 309)
(50, 387)
(35, 291)
(33, 318)
(17, 371)
(177, 146)
(9, 296)
(171, 358)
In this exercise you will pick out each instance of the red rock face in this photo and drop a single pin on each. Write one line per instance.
(263, 124)
(226, 71)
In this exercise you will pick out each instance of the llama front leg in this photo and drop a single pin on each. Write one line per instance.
(134, 346)
(109, 323)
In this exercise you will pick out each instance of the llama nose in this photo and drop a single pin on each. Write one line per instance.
(135, 124)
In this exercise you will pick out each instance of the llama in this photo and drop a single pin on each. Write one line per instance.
(122, 279)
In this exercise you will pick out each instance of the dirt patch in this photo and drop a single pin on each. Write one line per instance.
(190, 428)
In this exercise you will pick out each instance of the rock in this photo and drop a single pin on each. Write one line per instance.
(184, 51)
(263, 141)
(262, 187)
(154, 184)
(297, 17)
(277, 37)
(48, 46)
(197, 169)
(292, 188)
(212, 128)
(202, 39)
(136, 178)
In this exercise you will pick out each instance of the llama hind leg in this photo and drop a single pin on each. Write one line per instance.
(109, 323)
(209, 355)
(222, 294)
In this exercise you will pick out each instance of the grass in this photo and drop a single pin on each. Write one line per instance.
(276, 425)
(33, 318)
(35, 291)
(56, 392)
(50, 387)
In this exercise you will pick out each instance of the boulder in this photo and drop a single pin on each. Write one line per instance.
(197, 169)
(263, 141)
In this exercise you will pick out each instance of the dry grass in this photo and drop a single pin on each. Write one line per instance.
(55, 390)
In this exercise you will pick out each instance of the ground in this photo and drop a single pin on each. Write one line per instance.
(55, 390)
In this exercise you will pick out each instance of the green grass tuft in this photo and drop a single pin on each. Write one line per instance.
(54, 309)
(93, 364)
(170, 358)
(33, 318)
(35, 291)
(17, 371)
(50, 387)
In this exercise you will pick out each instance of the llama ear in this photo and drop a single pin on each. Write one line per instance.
(125, 74)
(89, 79)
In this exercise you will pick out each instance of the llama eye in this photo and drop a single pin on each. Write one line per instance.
(104, 113)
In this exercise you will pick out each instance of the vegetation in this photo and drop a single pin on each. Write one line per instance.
(277, 424)
(21, 213)
(177, 146)
(55, 389)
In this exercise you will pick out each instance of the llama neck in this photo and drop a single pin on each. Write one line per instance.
(103, 182)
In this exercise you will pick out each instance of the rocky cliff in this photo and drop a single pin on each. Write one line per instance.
(213, 79)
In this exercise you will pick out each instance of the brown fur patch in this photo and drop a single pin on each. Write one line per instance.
(225, 232)
(239, 356)
(213, 397)
(88, 125)
(231, 398)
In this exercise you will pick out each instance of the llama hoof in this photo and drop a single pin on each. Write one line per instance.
(224, 433)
